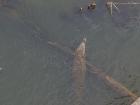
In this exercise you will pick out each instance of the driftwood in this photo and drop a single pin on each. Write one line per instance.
(78, 73)
(115, 85)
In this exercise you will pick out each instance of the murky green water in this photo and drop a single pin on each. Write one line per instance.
(33, 73)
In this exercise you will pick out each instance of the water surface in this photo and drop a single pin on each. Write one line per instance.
(33, 73)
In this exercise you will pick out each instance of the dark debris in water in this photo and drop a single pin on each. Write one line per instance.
(127, 18)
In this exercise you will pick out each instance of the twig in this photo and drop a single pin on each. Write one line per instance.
(110, 6)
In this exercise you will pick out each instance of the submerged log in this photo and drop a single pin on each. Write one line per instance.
(78, 73)
(115, 85)
(137, 102)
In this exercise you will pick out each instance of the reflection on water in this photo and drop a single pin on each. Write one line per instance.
(35, 74)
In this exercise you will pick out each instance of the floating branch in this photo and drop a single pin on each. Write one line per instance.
(110, 6)
(115, 85)
(78, 73)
